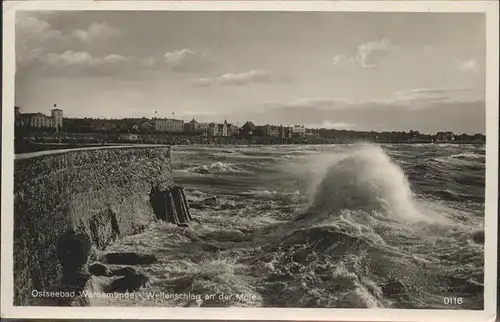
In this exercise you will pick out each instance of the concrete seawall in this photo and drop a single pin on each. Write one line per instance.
(102, 191)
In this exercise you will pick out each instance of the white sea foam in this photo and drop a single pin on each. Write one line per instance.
(216, 167)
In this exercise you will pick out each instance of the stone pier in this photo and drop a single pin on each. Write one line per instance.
(102, 192)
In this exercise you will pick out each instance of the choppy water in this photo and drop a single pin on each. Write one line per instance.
(322, 226)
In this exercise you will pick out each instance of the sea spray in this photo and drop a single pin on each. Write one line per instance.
(366, 179)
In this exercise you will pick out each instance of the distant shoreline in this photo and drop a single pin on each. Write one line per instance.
(38, 147)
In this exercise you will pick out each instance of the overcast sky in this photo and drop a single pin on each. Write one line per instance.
(361, 71)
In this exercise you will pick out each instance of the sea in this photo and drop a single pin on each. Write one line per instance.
(321, 226)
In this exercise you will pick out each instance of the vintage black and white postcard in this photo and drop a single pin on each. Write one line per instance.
(250, 160)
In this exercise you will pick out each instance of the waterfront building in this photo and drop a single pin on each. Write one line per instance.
(202, 128)
(147, 126)
(190, 127)
(235, 130)
(57, 117)
(264, 130)
(168, 125)
(39, 120)
(298, 130)
(196, 127)
(223, 128)
(232, 129)
(247, 129)
(212, 129)
(286, 132)
(275, 131)
(445, 136)
(219, 129)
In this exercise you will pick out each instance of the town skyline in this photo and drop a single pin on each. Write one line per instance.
(394, 72)
(144, 119)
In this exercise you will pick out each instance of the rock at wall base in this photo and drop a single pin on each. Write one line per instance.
(180, 206)
(172, 215)
(129, 283)
(170, 205)
(196, 205)
(158, 203)
(98, 269)
(186, 204)
(124, 271)
(210, 202)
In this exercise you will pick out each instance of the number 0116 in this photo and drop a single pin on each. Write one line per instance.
(453, 300)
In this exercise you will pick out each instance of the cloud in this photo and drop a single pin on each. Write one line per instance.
(78, 64)
(187, 60)
(113, 58)
(455, 113)
(148, 62)
(43, 50)
(72, 63)
(97, 31)
(27, 56)
(340, 60)
(470, 65)
(316, 103)
(372, 53)
(253, 76)
(31, 34)
(34, 36)
(413, 99)
(236, 79)
(202, 82)
(368, 55)
(421, 98)
(30, 27)
(69, 58)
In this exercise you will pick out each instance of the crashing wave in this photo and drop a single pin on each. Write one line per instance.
(366, 180)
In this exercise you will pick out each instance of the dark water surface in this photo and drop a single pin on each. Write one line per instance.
(322, 226)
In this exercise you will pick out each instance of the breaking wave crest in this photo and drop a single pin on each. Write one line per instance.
(462, 159)
(366, 180)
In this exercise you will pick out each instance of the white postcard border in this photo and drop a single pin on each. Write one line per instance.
(491, 206)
